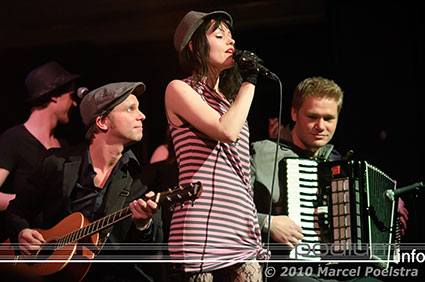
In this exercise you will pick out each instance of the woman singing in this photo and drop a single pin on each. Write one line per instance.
(219, 236)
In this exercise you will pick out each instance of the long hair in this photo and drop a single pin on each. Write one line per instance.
(197, 60)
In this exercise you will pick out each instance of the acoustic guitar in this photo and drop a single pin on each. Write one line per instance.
(75, 239)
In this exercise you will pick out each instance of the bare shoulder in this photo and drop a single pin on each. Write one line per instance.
(177, 86)
(179, 92)
(176, 83)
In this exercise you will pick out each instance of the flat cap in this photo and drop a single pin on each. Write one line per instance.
(102, 99)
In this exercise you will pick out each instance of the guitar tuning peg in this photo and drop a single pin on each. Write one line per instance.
(172, 208)
(182, 205)
(189, 193)
(179, 196)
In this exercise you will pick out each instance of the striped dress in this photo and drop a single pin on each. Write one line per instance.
(221, 227)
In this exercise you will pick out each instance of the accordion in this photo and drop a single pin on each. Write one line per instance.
(342, 208)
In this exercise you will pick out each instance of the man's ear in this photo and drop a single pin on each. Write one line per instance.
(102, 122)
(293, 114)
(54, 99)
(190, 46)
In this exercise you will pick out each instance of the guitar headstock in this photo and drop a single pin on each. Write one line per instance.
(180, 194)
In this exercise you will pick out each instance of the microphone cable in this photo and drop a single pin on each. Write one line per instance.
(269, 215)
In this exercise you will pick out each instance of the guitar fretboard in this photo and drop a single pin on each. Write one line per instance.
(180, 194)
(93, 227)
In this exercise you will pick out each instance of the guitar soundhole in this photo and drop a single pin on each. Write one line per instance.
(45, 251)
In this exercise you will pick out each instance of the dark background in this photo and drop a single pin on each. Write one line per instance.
(374, 50)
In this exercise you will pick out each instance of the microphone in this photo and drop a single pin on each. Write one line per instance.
(391, 194)
(263, 70)
(81, 92)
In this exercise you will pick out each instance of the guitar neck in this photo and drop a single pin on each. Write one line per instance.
(94, 227)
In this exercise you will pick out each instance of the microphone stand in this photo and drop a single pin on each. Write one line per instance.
(392, 194)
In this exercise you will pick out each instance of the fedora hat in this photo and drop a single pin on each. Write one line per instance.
(45, 79)
(190, 23)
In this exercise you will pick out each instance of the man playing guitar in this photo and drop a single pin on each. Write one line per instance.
(95, 179)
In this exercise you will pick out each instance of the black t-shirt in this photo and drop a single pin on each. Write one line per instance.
(20, 153)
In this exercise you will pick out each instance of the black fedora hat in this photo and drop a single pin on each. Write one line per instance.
(45, 79)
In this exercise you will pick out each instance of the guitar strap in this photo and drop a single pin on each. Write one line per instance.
(119, 204)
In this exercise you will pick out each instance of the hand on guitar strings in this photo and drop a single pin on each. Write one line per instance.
(29, 241)
(143, 210)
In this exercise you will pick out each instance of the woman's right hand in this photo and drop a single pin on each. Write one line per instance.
(248, 65)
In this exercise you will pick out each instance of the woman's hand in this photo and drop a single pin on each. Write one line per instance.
(248, 65)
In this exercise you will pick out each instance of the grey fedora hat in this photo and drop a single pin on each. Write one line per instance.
(46, 78)
(102, 99)
(190, 23)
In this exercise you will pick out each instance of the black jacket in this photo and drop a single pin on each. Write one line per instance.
(50, 189)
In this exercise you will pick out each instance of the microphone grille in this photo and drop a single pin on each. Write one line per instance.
(237, 54)
(81, 92)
